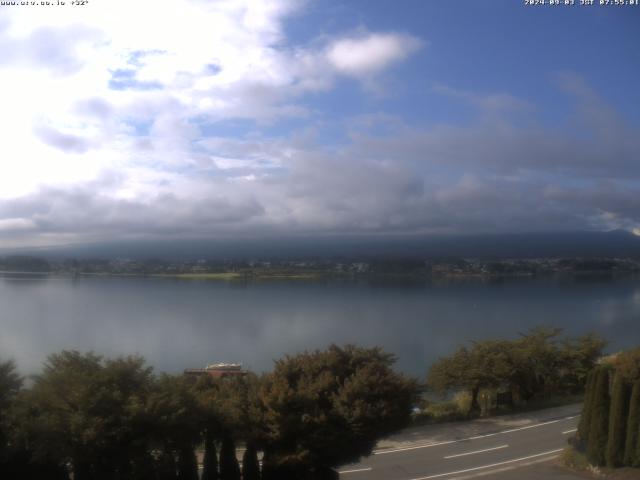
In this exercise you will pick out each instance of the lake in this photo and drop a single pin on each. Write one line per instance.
(179, 324)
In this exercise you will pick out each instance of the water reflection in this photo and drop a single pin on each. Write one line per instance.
(177, 324)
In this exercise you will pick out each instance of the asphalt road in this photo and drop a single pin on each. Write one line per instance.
(466, 457)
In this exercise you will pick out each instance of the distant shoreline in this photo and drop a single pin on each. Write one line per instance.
(237, 276)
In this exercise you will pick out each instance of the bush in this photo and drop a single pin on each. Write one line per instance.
(445, 411)
(574, 459)
(462, 401)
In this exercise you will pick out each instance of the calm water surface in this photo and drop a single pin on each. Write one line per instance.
(179, 324)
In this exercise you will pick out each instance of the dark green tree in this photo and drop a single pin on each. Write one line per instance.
(187, 463)
(632, 442)
(485, 365)
(166, 467)
(636, 461)
(143, 467)
(579, 356)
(88, 412)
(174, 407)
(233, 410)
(618, 416)
(210, 461)
(327, 408)
(537, 363)
(599, 428)
(269, 468)
(10, 385)
(250, 464)
(585, 418)
(229, 468)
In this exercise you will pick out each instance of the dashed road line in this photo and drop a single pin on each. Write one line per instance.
(570, 431)
(484, 467)
(355, 470)
(477, 451)
(477, 437)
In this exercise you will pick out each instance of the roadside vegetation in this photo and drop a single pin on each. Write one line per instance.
(609, 429)
(92, 418)
(537, 370)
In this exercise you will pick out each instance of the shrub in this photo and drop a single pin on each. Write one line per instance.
(572, 458)
(463, 401)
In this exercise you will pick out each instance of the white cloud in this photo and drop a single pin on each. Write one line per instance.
(370, 53)
(16, 224)
(111, 121)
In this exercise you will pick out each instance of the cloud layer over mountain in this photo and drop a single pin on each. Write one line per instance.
(192, 118)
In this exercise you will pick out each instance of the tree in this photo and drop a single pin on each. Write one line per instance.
(250, 464)
(579, 356)
(89, 412)
(585, 418)
(538, 363)
(485, 365)
(229, 468)
(632, 441)
(618, 416)
(598, 429)
(166, 465)
(327, 408)
(627, 364)
(210, 461)
(187, 464)
(10, 385)
(173, 405)
(231, 413)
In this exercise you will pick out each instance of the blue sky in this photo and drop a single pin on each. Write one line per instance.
(234, 118)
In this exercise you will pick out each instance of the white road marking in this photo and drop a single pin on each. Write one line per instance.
(477, 451)
(368, 469)
(551, 452)
(570, 431)
(448, 442)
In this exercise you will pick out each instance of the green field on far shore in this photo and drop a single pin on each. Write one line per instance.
(241, 275)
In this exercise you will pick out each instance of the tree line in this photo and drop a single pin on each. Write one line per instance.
(88, 417)
(94, 418)
(609, 428)
(535, 365)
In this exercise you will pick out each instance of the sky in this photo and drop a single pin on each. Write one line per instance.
(174, 119)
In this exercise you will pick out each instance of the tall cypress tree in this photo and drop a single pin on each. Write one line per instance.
(166, 465)
(599, 422)
(187, 464)
(268, 471)
(250, 465)
(636, 460)
(210, 462)
(229, 468)
(585, 418)
(632, 442)
(618, 417)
